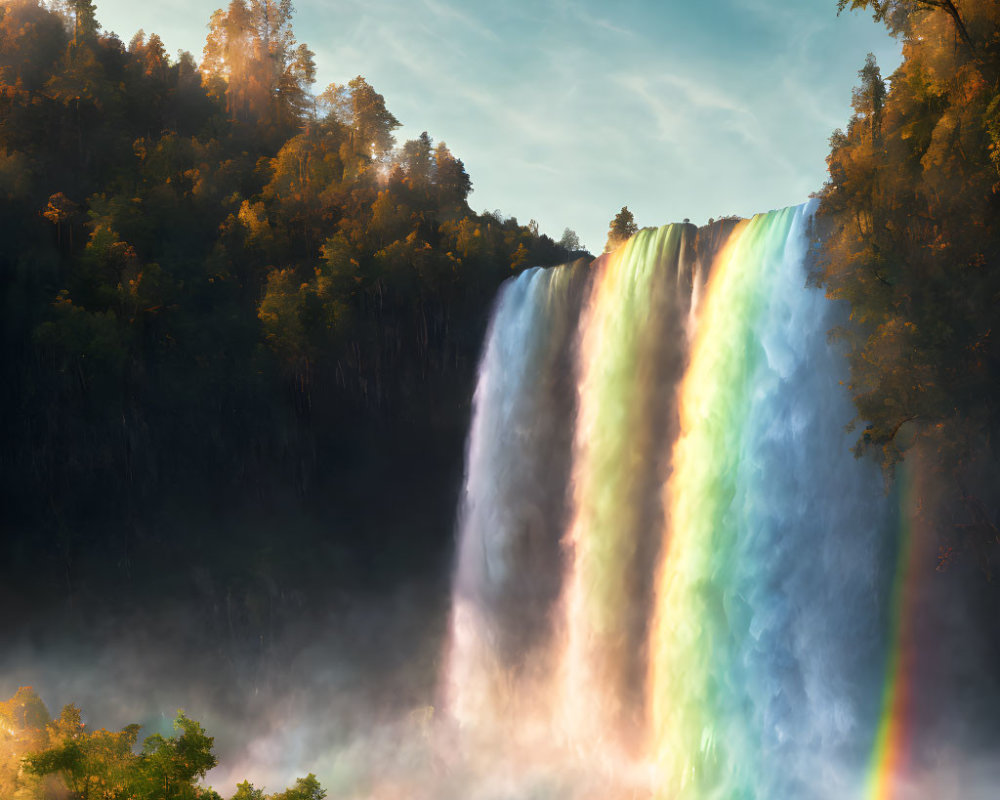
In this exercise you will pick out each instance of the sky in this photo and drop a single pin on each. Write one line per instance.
(566, 110)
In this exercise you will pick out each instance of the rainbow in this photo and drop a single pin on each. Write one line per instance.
(889, 752)
(614, 446)
(756, 443)
(687, 651)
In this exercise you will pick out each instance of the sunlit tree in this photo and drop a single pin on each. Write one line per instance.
(622, 228)
(307, 788)
(251, 56)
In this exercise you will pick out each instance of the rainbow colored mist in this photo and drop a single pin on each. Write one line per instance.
(890, 749)
(665, 585)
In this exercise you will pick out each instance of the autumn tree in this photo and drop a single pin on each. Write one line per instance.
(912, 219)
(61, 211)
(85, 25)
(32, 38)
(622, 228)
(23, 721)
(896, 14)
(101, 764)
(913, 199)
(251, 57)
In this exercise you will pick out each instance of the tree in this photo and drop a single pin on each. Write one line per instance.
(168, 767)
(23, 711)
(570, 241)
(452, 181)
(869, 98)
(23, 721)
(92, 764)
(307, 788)
(247, 791)
(61, 211)
(911, 213)
(32, 38)
(251, 56)
(417, 161)
(233, 248)
(622, 228)
(361, 110)
(912, 198)
(85, 25)
(296, 78)
(896, 13)
(100, 764)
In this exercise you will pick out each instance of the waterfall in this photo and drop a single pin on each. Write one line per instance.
(767, 641)
(631, 349)
(671, 571)
(509, 561)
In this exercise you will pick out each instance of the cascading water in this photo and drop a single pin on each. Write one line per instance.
(766, 651)
(519, 447)
(631, 344)
(671, 570)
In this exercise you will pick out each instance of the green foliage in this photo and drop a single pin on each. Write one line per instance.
(307, 788)
(45, 759)
(168, 768)
(89, 763)
(246, 791)
(104, 764)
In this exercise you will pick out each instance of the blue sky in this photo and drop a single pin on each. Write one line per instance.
(565, 110)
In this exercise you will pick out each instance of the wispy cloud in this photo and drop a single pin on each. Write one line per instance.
(677, 104)
(448, 13)
(566, 110)
(606, 24)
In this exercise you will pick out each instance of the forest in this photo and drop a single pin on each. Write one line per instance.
(221, 290)
(231, 304)
(913, 209)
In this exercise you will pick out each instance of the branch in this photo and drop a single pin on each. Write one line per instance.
(899, 425)
(876, 274)
(952, 11)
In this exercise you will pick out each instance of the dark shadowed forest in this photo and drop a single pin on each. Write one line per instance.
(239, 330)
(230, 306)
